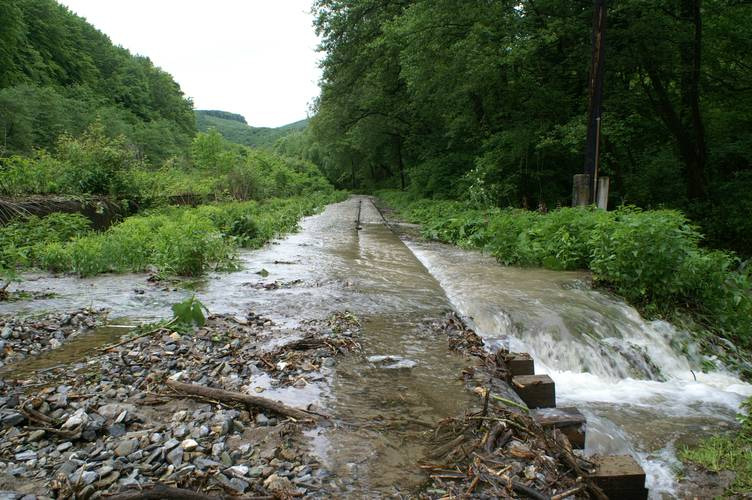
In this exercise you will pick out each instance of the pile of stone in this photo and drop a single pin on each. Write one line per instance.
(114, 421)
(21, 337)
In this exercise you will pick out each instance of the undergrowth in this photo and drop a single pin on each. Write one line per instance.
(651, 258)
(171, 240)
(727, 452)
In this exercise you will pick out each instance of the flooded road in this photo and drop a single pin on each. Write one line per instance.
(619, 369)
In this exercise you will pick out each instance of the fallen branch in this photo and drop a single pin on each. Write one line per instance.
(158, 492)
(238, 397)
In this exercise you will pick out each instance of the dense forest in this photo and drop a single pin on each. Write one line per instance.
(58, 74)
(487, 101)
(234, 128)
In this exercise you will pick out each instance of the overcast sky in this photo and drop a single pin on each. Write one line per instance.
(253, 57)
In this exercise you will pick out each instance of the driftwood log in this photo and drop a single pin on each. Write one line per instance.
(159, 491)
(238, 397)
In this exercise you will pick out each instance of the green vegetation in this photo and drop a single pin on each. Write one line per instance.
(234, 128)
(488, 101)
(58, 75)
(652, 258)
(170, 240)
(728, 452)
(81, 118)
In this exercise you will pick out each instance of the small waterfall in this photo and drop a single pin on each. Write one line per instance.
(620, 369)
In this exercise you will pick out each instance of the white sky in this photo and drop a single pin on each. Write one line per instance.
(253, 57)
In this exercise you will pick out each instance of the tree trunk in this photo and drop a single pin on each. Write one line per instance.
(691, 57)
(400, 162)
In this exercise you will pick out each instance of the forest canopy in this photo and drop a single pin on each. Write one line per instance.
(487, 101)
(59, 74)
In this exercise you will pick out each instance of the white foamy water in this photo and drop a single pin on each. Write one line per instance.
(639, 382)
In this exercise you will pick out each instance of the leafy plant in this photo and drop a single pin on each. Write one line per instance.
(189, 313)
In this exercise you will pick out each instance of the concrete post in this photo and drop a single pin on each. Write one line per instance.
(603, 185)
(581, 190)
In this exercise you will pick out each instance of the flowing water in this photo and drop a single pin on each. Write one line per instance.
(617, 368)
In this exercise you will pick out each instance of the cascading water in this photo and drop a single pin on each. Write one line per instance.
(620, 370)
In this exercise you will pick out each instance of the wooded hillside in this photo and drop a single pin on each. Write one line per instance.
(58, 74)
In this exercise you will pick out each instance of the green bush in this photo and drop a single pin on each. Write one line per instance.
(651, 258)
(174, 240)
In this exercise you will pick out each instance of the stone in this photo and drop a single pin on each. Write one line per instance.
(36, 435)
(238, 470)
(175, 457)
(26, 455)
(279, 485)
(189, 445)
(217, 449)
(256, 471)
(126, 447)
(89, 477)
(180, 431)
(171, 444)
(78, 418)
(64, 446)
(262, 419)
(11, 418)
(116, 430)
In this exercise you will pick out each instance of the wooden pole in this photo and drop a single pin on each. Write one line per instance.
(595, 91)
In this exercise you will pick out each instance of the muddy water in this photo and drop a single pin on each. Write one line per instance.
(383, 398)
(639, 382)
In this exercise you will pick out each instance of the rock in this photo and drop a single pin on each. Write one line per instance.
(26, 455)
(256, 471)
(36, 435)
(113, 410)
(217, 449)
(64, 446)
(180, 431)
(11, 418)
(189, 445)
(238, 470)
(88, 477)
(78, 418)
(116, 430)
(127, 447)
(277, 484)
(107, 480)
(55, 343)
(171, 444)
(6, 332)
(175, 457)
(175, 336)
(261, 419)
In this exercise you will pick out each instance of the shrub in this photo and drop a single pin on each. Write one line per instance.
(651, 258)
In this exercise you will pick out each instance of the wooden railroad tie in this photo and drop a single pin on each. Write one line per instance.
(537, 391)
(569, 421)
(620, 477)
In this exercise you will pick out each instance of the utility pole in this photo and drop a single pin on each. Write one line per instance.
(595, 98)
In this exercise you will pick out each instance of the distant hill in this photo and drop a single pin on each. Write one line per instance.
(234, 128)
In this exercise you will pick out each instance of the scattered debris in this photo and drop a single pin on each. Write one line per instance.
(172, 410)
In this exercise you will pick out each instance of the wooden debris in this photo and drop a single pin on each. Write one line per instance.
(237, 397)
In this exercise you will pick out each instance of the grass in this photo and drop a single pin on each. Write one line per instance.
(170, 240)
(719, 453)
